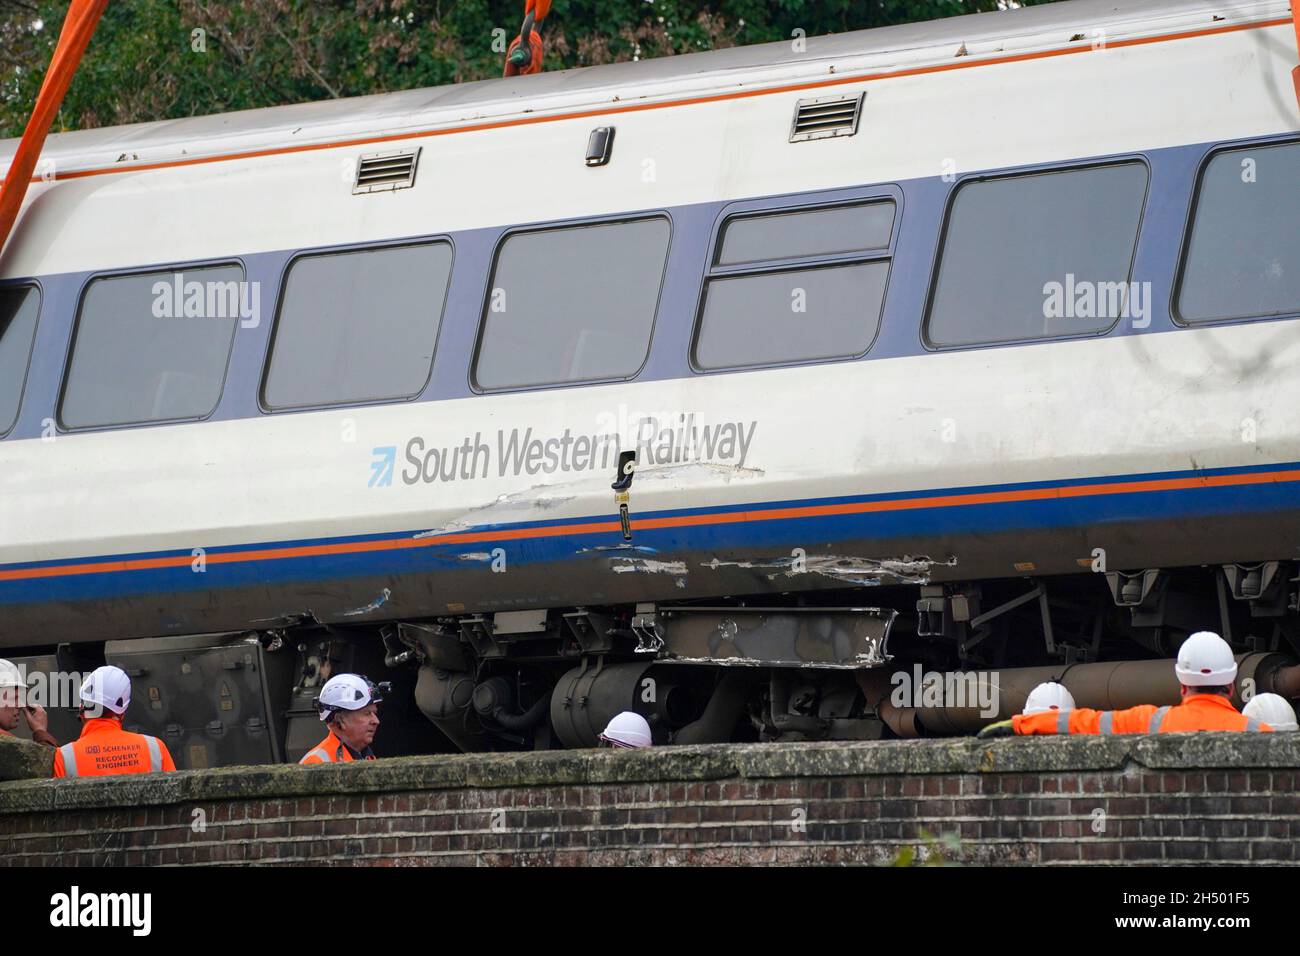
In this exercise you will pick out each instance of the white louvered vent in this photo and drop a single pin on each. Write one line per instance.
(380, 172)
(826, 116)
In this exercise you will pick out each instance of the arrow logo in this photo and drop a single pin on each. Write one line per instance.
(381, 468)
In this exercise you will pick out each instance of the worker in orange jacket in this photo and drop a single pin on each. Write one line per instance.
(104, 749)
(349, 705)
(1205, 668)
(15, 705)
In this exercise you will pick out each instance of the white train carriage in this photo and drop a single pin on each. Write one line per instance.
(976, 335)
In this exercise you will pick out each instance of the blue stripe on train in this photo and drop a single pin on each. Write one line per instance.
(719, 539)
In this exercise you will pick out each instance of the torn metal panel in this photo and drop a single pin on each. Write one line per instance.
(648, 566)
(777, 637)
(697, 470)
(524, 505)
(286, 620)
(622, 546)
(373, 606)
(865, 572)
(504, 509)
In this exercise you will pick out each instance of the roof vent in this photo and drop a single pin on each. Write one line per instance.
(380, 172)
(826, 116)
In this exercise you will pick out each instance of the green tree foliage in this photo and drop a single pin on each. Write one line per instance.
(162, 59)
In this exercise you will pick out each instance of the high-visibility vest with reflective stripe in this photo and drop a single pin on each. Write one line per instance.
(1196, 712)
(104, 749)
(332, 750)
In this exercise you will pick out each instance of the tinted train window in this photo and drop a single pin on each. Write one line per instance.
(817, 232)
(573, 304)
(18, 308)
(772, 298)
(1020, 251)
(1243, 259)
(152, 347)
(358, 326)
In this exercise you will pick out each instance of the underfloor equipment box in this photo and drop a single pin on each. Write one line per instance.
(215, 700)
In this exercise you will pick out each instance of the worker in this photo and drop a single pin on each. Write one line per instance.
(627, 731)
(104, 749)
(1206, 670)
(349, 705)
(1049, 695)
(14, 703)
(1271, 709)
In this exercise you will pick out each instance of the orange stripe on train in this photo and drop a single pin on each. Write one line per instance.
(691, 101)
(650, 524)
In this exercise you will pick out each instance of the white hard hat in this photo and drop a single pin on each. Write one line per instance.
(1273, 710)
(1048, 695)
(11, 681)
(107, 687)
(10, 675)
(1205, 660)
(346, 692)
(628, 729)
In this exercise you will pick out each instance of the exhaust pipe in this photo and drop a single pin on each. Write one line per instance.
(444, 697)
(1113, 685)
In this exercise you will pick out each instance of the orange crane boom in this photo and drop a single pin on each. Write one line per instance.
(78, 27)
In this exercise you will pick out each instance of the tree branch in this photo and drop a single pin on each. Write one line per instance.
(303, 59)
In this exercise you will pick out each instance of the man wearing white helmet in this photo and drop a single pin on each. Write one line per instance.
(1271, 709)
(1049, 695)
(349, 705)
(1206, 670)
(628, 730)
(13, 705)
(104, 749)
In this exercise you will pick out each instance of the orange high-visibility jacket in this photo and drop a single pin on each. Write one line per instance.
(104, 749)
(332, 750)
(1196, 712)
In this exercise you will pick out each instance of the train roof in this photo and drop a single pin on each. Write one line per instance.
(909, 46)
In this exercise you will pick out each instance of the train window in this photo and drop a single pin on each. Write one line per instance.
(773, 297)
(1020, 253)
(1242, 258)
(18, 308)
(357, 326)
(572, 304)
(791, 235)
(152, 347)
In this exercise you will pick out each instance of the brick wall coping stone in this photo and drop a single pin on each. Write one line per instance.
(686, 763)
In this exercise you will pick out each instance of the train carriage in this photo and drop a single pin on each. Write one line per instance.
(699, 386)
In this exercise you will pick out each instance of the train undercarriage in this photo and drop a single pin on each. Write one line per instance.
(828, 667)
(887, 662)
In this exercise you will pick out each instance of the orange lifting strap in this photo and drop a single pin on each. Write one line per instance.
(78, 26)
(525, 53)
(1295, 74)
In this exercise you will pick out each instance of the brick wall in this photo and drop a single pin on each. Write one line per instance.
(1171, 799)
